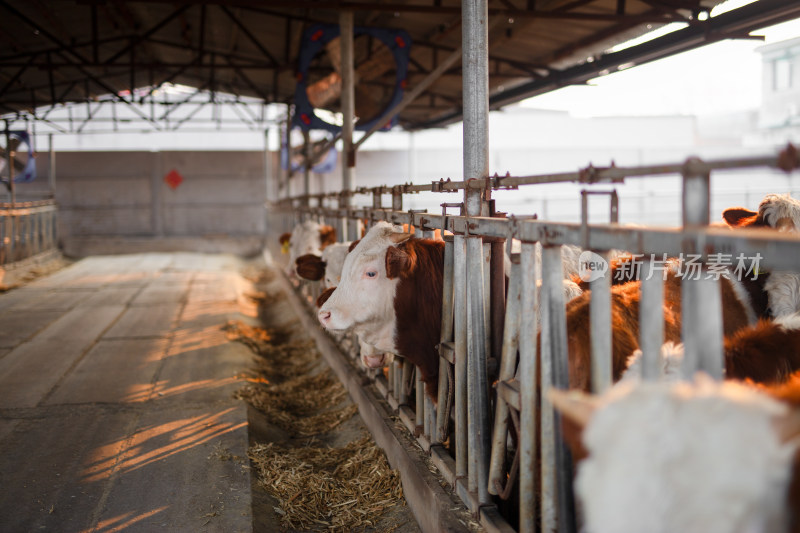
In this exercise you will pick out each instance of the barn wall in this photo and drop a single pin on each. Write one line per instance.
(123, 196)
(124, 193)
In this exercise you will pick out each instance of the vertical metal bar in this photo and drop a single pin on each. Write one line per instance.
(508, 365)
(557, 499)
(347, 99)
(460, 328)
(600, 318)
(487, 303)
(701, 309)
(10, 159)
(419, 409)
(477, 378)
(651, 319)
(51, 176)
(308, 151)
(405, 377)
(527, 384)
(443, 412)
(475, 83)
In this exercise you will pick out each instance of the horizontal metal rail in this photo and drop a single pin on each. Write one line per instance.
(27, 229)
(787, 160)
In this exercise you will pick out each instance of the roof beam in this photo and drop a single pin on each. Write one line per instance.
(139, 38)
(737, 22)
(249, 35)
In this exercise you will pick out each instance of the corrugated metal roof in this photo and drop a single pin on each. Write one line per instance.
(63, 51)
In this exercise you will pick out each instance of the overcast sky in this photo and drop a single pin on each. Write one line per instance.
(716, 78)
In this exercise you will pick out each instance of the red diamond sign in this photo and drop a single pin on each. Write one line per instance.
(173, 179)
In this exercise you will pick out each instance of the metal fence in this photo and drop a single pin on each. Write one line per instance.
(26, 229)
(500, 447)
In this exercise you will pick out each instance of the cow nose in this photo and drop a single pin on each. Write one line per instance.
(324, 316)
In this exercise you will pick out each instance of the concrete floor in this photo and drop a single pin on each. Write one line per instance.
(115, 397)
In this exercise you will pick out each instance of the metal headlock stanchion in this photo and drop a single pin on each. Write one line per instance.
(471, 450)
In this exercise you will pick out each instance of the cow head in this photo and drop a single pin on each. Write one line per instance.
(778, 211)
(364, 299)
(308, 238)
(683, 456)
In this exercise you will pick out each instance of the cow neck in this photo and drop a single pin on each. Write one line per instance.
(418, 307)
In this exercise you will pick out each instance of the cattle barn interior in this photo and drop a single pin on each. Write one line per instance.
(471, 430)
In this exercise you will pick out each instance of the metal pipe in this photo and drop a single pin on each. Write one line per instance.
(701, 308)
(508, 364)
(51, 176)
(477, 379)
(600, 324)
(347, 98)
(528, 380)
(558, 510)
(307, 149)
(443, 412)
(475, 83)
(460, 338)
(651, 317)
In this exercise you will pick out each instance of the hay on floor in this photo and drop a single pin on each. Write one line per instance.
(333, 489)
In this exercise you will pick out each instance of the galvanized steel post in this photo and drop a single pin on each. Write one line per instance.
(527, 385)
(701, 308)
(348, 111)
(460, 338)
(651, 316)
(444, 392)
(508, 366)
(557, 499)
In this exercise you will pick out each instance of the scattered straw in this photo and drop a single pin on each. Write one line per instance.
(328, 489)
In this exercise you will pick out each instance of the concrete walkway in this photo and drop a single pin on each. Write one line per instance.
(115, 397)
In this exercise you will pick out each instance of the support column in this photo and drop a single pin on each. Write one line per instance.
(475, 61)
(348, 111)
(51, 177)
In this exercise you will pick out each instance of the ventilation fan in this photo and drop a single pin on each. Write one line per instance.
(379, 53)
(24, 162)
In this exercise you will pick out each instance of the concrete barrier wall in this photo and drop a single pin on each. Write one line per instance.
(123, 194)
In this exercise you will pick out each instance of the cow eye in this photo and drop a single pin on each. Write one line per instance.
(372, 273)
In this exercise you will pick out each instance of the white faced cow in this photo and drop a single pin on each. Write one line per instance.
(781, 212)
(307, 238)
(390, 294)
(693, 457)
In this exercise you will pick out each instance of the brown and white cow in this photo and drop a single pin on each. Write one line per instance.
(745, 299)
(767, 353)
(307, 238)
(700, 456)
(390, 295)
(781, 212)
(326, 267)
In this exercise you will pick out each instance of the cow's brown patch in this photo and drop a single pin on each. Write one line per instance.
(419, 265)
(353, 245)
(284, 238)
(310, 267)
(327, 236)
(764, 353)
(322, 298)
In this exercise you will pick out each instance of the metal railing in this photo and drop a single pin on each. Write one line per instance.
(26, 230)
(494, 443)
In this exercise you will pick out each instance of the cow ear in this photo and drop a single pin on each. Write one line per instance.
(284, 238)
(324, 296)
(327, 236)
(310, 267)
(575, 405)
(353, 245)
(739, 217)
(397, 262)
(397, 238)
